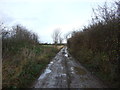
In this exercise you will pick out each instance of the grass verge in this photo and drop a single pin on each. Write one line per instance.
(22, 69)
(99, 65)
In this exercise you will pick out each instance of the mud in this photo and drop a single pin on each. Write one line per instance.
(64, 72)
(79, 71)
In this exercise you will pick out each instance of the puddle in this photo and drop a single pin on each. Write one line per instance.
(79, 70)
(51, 62)
(49, 65)
(72, 68)
(72, 72)
(62, 68)
(66, 55)
(44, 74)
(63, 74)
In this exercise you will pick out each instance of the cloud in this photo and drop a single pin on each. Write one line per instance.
(44, 16)
(55, 0)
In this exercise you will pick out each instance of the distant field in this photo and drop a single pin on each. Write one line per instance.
(58, 46)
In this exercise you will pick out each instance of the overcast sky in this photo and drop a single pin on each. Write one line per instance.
(44, 16)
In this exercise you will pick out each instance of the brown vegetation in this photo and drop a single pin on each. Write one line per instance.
(23, 57)
(97, 46)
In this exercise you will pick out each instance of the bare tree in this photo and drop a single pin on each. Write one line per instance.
(60, 39)
(118, 8)
(55, 36)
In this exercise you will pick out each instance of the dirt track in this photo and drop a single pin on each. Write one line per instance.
(64, 72)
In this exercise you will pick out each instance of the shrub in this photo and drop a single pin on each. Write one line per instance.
(97, 45)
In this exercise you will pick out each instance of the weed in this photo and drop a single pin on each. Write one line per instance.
(22, 69)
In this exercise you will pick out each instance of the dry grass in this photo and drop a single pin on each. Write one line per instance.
(60, 46)
(22, 69)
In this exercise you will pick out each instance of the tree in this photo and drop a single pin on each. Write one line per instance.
(118, 8)
(55, 36)
(16, 37)
(100, 42)
(60, 39)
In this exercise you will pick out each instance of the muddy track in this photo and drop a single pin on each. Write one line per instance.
(64, 72)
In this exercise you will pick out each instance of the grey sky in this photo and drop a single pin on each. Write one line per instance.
(43, 16)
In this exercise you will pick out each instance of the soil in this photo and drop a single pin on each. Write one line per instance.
(64, 72)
